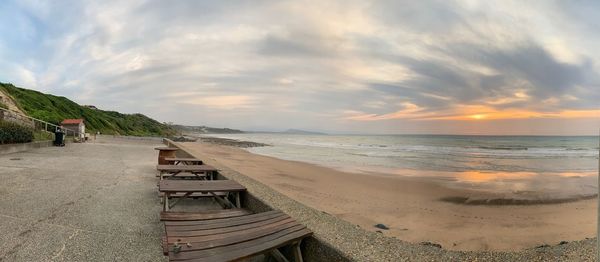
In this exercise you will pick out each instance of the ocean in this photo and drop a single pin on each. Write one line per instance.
(522, 163)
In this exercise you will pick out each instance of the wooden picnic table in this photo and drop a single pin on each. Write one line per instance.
(197, 171)
(211, 187)
(183, 161)
(234, 238)
(164, 152)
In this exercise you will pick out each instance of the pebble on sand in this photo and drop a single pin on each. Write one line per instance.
(382, 226)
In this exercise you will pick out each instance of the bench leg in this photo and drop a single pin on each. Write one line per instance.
(297, 252)
(278, 256)
(223, 202)
(165, 201)
(238, 201)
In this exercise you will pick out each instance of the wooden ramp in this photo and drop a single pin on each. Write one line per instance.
(233, 238)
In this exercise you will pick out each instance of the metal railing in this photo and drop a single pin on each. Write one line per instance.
(43, 126)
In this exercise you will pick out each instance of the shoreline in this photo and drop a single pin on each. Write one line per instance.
(473, 182)
(411, 207)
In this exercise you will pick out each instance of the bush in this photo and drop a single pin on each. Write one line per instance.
(11, 133)
(42, 136)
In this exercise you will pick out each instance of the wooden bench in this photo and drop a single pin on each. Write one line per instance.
(184, 189)
(164, 152)
(184, 171)
(233, 238)
(203, 215)
(183, 161)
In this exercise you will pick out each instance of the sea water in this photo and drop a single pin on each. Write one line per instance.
(513, 162)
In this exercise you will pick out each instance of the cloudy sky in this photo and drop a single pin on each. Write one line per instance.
(458, 67)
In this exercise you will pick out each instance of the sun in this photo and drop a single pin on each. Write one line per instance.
(478, 116)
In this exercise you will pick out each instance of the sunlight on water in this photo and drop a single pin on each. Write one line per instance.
(561, 165)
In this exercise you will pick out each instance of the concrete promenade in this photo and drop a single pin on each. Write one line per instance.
(96, 201)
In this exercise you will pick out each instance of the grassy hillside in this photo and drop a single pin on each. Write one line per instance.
(207, 130)
(54, 109)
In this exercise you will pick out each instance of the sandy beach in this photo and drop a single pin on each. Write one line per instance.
(412, 207)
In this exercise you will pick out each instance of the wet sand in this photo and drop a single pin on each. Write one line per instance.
(412, 207)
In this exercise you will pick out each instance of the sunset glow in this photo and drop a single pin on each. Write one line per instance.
(374, 67)
(478, 116)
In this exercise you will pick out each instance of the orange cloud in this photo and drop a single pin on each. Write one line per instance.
(470, 113)
(410, 110)
(479, 112)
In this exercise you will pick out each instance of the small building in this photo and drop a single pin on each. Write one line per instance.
(76, 125)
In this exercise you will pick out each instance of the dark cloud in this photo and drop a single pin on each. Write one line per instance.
(528, 67)
(420, 16)
(204, 12)
(532, 63)
(297, 45)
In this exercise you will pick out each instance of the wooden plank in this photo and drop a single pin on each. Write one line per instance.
(195, 194)
(221, 220)
(164, 148)
(182, 160)
(199, 186)
(239, 238)
(186, 168)
(220, 223)
(231, 233)
(188, 217)
(181, 218)
(199, 233)
(192, 176)
(244, 249)
(165, 245)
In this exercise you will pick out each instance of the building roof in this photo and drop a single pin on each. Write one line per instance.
(72, 121)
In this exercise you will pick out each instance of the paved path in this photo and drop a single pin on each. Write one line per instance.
(84, 202)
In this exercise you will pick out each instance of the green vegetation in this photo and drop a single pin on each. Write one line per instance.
(11, 133)
(207, 130)
(42, 136)
(54, 109)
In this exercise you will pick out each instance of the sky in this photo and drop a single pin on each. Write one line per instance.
(373, 67)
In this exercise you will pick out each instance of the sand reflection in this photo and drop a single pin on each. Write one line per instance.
(483, 176)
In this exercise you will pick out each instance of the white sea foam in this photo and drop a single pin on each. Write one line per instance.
(437, 153)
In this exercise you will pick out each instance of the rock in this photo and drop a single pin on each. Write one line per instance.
(543, 246)
(426, 243)
(563, 242)
(382, 226)
(183, 139)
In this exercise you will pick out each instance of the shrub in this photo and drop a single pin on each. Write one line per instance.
(42, 136)
(11, 133)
